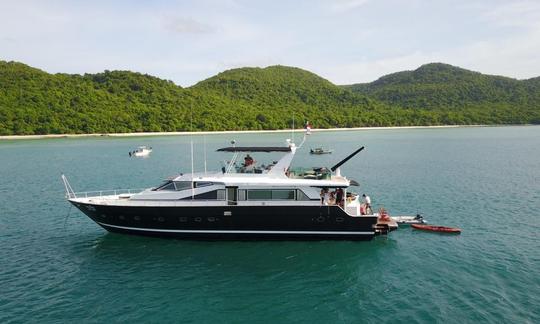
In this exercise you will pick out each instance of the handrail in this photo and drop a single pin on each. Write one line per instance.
(69, 190)
(101, 193)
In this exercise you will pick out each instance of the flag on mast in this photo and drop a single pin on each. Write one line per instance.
(308, 128)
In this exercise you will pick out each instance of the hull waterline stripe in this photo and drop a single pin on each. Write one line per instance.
(234, 231)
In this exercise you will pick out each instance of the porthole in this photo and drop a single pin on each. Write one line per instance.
(339, 219)
(320, 219)
(161, 219)
(122, 217)
(211, 219)
(137, 218)
(182, 219)
(103, 216)
(198, 219)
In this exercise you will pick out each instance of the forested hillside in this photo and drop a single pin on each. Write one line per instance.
(36, 102)
(271, 96)
(438, 87)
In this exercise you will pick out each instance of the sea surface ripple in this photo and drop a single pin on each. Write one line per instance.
(56, 265)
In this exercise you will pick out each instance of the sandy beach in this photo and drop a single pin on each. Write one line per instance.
(49, 136)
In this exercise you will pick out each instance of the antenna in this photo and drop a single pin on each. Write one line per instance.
(204, 138)
(191, 137)
(292, 130)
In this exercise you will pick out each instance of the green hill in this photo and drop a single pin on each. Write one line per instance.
(35, 102)
(271, 96)
(442, 87)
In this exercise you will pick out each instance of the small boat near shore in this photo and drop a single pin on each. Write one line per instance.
(409, 220)
(435, 228)
(141, 151)
(320, 150)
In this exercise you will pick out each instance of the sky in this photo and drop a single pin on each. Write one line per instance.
(344, 41)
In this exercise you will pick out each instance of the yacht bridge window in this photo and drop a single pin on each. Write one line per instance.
(181, 185)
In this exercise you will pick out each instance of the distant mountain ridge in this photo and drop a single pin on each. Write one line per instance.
(35, 102)
(438, 85)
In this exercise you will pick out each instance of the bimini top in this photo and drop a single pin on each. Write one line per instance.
(255, 149)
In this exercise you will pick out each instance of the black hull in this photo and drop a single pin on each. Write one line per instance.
(233, 222)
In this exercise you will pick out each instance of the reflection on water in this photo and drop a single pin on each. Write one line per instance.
(125, 249)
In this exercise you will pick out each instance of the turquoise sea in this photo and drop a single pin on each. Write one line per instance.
(56, 265)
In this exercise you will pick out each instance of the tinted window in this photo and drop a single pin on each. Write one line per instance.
(282, 194)
(300, 195)
(242, 194)
(221, 194)
(202, 184)
(167, 186)
(270, 194)
(182, 185)
(211, 195)
(259, 194)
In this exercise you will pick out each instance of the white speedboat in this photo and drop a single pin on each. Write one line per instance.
(320, 150)
(244, 200)
(141, 151)
(408, 220)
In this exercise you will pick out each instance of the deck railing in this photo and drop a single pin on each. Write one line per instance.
(102, 193)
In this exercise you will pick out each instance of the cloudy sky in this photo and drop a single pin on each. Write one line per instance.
(344, 41)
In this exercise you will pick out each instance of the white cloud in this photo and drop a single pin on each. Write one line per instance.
(346, 5)
(365, 70)
(520, 14)
(346, 41)
(185, 25)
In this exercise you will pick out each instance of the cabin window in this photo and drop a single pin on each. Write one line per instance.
(300, 195)
(211, 195)
(168, 185)
(278, 194)
(259, 194)
(182, 185)
(202, 184)
(282, 194)
(242, 194)
(221, 194)
(179, 185)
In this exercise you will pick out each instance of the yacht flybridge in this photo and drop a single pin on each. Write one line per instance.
(244, 200)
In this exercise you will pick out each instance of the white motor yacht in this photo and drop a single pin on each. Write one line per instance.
(243, 200)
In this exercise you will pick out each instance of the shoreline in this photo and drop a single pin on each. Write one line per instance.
(147, 134)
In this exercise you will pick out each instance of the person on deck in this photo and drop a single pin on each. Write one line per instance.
(339, 197)
(326, 197)
(367, 201)
(332, 200)
(248, 160)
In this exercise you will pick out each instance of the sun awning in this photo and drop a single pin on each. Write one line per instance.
(255, 149)
(354, 183)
